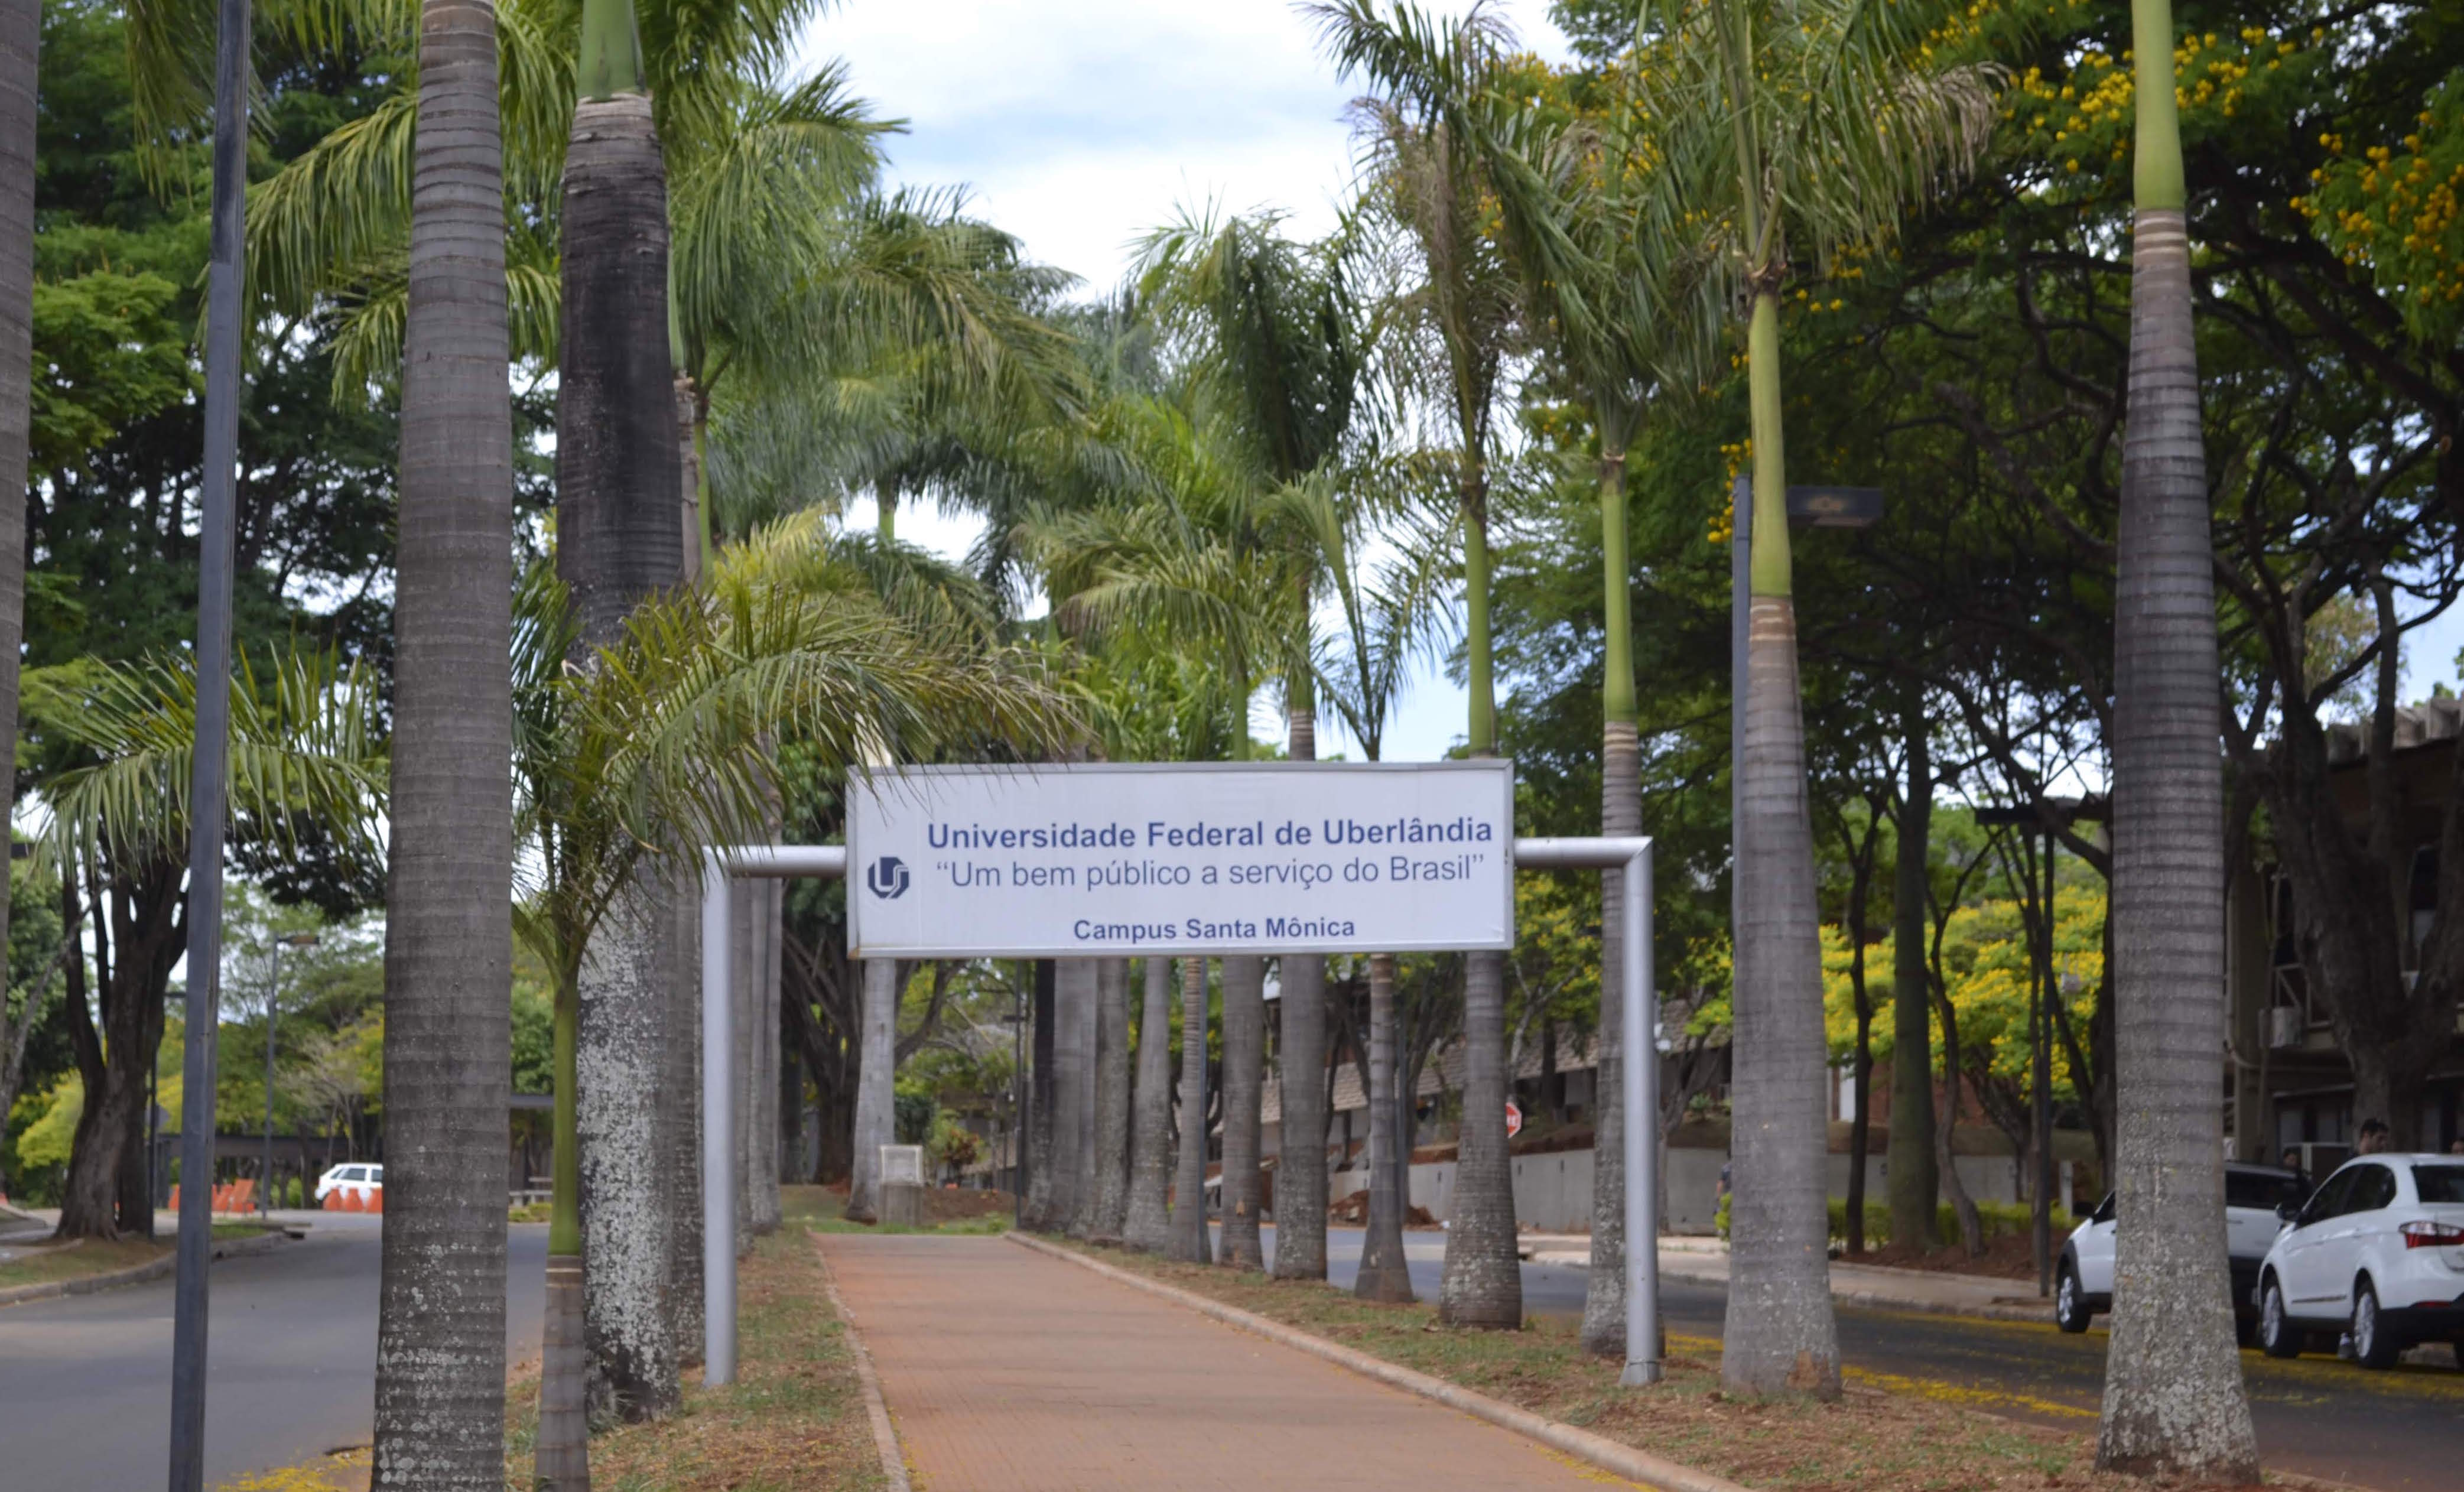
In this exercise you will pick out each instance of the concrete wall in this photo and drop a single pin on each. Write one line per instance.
(1553, 1193)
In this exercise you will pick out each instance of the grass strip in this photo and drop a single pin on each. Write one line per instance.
(1899, 1438)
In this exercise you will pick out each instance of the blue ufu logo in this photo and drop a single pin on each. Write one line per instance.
(888, 877)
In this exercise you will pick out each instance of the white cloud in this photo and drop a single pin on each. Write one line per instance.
(1080, 125)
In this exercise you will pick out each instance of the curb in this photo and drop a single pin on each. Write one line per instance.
(1599, 1451)
(1866, 1298)
(885, 1435)
(135, 1274)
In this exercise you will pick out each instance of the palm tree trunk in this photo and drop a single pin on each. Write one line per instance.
(1383, 1275)
(680, 1046)
(1620, 813)
(1111, 1099)
(875, 1087)
(2173, 1397)
(1483, 1283)
(1244, 1081)
(1148, 1223)
(680, 1107)
(1300, 1059)
(1190, 1241)
(624, 1195)
(1039, 1129)
(440, 1370)
(561, 1460)
(618, 540)
(1781, 1333)
(1915, 1180)
(1073, 1095)
(21, 35)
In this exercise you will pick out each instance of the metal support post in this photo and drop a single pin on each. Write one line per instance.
(225, 315)
(718, 1179)
(1639, 1005)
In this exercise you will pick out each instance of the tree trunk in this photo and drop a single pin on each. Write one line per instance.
(148, 934)
(560, 1455)
(1300, 1059)
(875, 1089)
(440, 1368)
(2173, 1399)
(1111, 1099)
(624, 1194)
(1244, 1059)
(1190, 1242)
(1483, 1283)
(1604, 1286)
(1039, 1211)
(680, 1106)
(1383, 1274)
(1781, 1333)
(1914, 1182)
(1148, 1223)
(619, 542)
(680, 1048)
(1073, 1095)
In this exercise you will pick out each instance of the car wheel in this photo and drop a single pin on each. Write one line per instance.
(2070, 1302)
(2374, 1345)
(2277, 1335)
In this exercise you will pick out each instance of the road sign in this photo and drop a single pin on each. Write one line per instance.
(1513, 1119)
(1165, 858)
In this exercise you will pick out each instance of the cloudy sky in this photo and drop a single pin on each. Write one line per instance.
(1080, 125)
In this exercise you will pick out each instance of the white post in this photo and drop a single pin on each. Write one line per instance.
(1641, 1085)
(717, 1132)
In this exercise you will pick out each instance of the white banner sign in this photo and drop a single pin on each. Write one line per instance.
(1065, 861)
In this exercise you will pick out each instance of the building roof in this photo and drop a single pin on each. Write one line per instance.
(2425, 724)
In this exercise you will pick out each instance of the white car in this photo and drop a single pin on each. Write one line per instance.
(2377, 1254)
(2253, 1194)
(361, 1180)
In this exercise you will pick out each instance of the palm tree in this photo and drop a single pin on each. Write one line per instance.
(305, 751)
(2173, 1397)
(1391, 618)
(1813, 125)
(1190, 1241)
(1271, 325)
(440, 1389)
(1433, 181)
(1147, 1223)
(619, 542)
(1110, 1211)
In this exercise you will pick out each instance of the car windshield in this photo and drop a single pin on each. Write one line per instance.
(2439, 1183)
(2261, 1189)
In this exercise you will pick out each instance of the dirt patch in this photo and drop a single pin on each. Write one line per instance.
(967, 1204)
(2006, 1257)
(1899, 1436)
(1355, 1211)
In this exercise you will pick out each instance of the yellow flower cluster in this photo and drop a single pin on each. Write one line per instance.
(2396, 213)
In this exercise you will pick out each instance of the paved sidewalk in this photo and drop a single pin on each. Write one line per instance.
(1008, 1372)
(1870, 1285)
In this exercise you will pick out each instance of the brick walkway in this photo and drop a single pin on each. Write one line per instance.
(1008, 1372)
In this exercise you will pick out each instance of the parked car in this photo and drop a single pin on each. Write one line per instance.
(2377, 1255)
(362, 1179)
(2083, 1278)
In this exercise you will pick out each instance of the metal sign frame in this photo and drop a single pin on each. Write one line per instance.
(1492, 765)
(1639, 1005)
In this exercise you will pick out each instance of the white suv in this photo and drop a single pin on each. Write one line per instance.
(2253, 1198)
(2378, 1254)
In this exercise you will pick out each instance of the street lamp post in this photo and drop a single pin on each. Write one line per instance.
(273, 1003)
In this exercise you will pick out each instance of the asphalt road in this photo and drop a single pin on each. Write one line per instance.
(2401, 1431)
(85, 1381)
